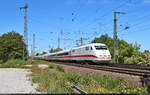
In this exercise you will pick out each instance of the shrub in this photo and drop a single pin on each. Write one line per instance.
(51, 66)
(74, 77)
(1, 61)
(59, 68)
(12, 63)
(36, 62)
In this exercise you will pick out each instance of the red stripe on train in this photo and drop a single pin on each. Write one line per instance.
(84, 56)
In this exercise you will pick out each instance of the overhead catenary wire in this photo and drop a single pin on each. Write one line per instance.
(108, 12)
(122, 16)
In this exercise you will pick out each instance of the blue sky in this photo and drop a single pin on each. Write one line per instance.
(92, 18)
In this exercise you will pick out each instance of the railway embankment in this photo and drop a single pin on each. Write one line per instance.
(55, 78)
(134, 76)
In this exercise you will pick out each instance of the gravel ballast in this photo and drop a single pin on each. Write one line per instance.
(15, 81)
(136, 80)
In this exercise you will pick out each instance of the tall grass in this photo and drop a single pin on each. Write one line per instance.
(57, 67)
(51, 66)
(30, 62)
(1, 61)
(56, 82)
(12, 63)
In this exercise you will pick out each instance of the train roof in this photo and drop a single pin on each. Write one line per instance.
(42, 55)
(71, 49)
(59, 52)
(89, 45)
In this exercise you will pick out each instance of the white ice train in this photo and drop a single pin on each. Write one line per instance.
(94, 52)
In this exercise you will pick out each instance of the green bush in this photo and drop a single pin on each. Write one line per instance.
(1, 61)
(74, 78)
(12, 63)
(51, 66)
(59, 68)
(138, 58)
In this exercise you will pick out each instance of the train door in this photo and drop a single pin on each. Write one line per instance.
(70, 52)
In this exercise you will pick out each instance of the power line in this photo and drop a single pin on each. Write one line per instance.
(41, 22)
(75, 13)
(93, 21)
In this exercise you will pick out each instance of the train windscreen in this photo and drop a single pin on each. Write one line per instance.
(100, 47)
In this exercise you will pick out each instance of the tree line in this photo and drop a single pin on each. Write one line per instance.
(11, 47)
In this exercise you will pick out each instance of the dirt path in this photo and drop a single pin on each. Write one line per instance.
(15, 81)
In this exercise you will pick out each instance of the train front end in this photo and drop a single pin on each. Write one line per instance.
(102, 53)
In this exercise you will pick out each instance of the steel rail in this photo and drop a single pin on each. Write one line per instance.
(130, 71)
(132, 66)
(77, 89)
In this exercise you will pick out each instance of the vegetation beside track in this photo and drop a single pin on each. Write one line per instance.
(18, 63)
(55, 80)
(12, 63)
(31, 62)
(129, 53)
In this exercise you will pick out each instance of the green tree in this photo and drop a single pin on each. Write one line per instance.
(138, 58)
(128, 53)
(44, 53)
(137, 47)
(55, 50)
(37, 54)
(125, 49)
(11, 46)
(106, 40)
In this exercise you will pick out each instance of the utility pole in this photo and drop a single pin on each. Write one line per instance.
(58, 42)
(32, 51)
(67, 39)
(81, 40)
(33, 45)
(25, 32)
(116, 52)
(61, 32)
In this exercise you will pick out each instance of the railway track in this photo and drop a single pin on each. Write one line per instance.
(124, 69)
(132, 66)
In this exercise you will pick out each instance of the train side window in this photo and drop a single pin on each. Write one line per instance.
(63, 54)
(86, 48)
(73, 50)
(91, 48)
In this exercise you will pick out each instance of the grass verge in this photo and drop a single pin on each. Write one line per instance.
(12, 63)
(30, 62)
(54, 80)
(18, 63)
